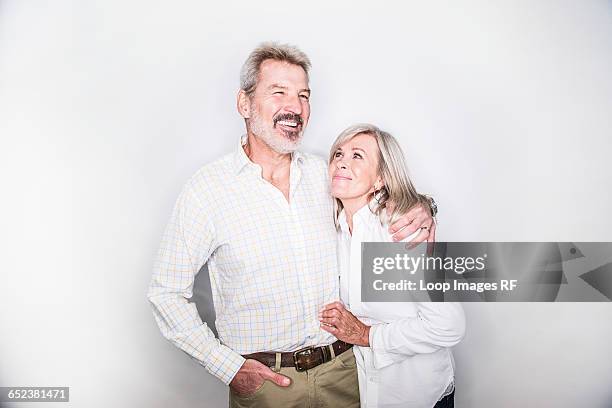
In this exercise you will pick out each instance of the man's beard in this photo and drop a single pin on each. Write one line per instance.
(280, 144)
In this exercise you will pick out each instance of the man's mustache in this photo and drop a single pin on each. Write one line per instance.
(288, 116)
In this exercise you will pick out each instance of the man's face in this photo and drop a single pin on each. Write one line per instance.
(280, 107)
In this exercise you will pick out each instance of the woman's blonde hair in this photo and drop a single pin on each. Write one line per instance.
(397, 187)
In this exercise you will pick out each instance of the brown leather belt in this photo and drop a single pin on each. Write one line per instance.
(303, 359)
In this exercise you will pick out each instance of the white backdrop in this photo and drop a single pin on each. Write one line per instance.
(106, 108)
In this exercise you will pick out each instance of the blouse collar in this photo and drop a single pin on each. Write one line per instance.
(363, 216)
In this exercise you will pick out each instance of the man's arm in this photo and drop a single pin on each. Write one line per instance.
(188, 242)
(418, 218)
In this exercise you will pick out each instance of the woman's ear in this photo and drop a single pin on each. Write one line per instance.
(378, 184)
(243, 104)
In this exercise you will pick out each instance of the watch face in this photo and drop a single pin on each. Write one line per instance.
(433, 206)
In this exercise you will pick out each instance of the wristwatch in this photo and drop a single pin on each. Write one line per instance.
(433, 207)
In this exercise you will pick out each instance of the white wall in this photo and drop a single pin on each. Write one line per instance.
(106, 108)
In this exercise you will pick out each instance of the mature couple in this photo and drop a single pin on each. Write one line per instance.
(283, 256)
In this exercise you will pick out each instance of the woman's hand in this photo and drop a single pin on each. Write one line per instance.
(338, 321)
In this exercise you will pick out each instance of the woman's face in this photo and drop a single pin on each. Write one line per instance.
(354, 169)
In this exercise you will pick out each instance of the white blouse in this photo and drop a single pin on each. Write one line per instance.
(409, 362)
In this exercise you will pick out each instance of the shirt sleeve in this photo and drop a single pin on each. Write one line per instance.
(188, 242)
(437, 325)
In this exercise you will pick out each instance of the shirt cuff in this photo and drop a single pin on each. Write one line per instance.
(380, 357)
(224, 363)
(373, 328)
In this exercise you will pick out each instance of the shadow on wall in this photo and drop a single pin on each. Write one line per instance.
(202, 297)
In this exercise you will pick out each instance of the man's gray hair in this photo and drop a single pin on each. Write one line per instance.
(249, 74)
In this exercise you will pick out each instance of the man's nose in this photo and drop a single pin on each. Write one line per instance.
(293, 105)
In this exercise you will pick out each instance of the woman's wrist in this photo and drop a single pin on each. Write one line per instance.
(365, 338)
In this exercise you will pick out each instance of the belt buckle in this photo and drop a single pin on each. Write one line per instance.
(304, 356)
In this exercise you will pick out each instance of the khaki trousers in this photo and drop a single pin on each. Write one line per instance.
(333, 384)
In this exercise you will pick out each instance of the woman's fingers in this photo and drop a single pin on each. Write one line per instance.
(340, 322)
(334, 321)
(330, 329)
(330, 313)
(333, 305)
(334, 317)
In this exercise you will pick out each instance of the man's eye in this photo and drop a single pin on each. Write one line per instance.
(306, 97)
(278, 93)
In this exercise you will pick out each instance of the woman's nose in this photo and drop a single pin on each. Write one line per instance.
(340, 164)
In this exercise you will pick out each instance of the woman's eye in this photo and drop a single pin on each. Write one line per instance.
(305, 97)
(357, 156)
(278, 93)
(338, 154)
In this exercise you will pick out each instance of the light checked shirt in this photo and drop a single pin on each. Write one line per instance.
(272, 263)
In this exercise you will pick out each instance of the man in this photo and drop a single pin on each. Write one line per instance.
(262, 219)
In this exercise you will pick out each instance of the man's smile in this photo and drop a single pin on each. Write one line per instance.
(287, 123)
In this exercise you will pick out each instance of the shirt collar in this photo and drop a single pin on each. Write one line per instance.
(363, 216)
(241, 160)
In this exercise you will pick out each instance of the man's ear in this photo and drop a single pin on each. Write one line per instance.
(243, 104)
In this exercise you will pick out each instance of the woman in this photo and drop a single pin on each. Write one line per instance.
(403, 349)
